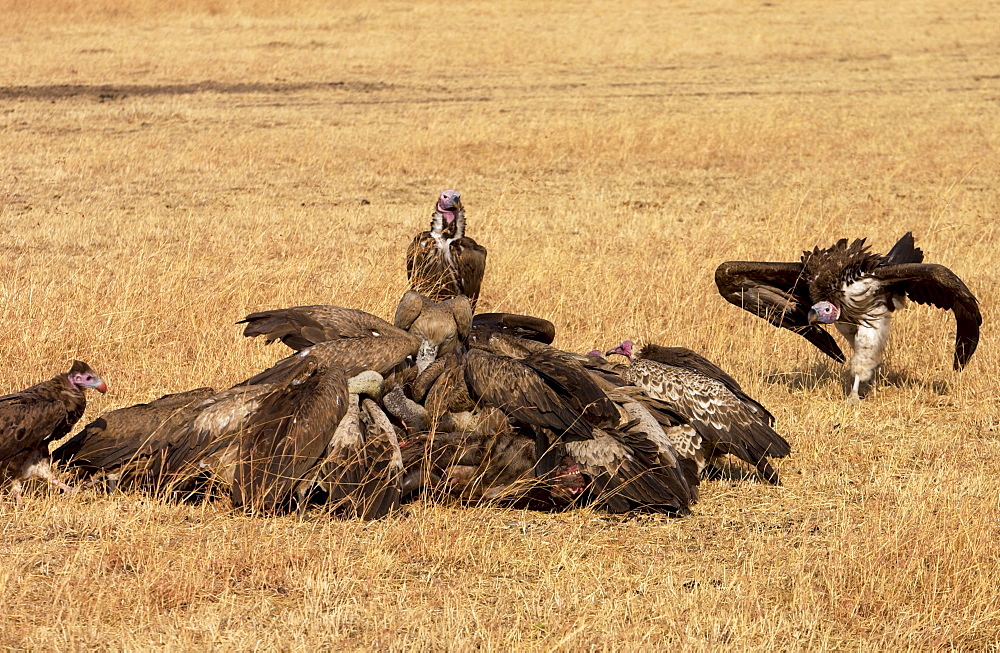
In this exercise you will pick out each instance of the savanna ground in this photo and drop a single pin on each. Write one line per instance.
(165, 172)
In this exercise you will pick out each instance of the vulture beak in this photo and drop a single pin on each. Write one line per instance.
(812, 315)
(102, 387)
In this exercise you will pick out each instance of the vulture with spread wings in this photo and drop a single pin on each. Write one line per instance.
(443, 262)
(855, 290)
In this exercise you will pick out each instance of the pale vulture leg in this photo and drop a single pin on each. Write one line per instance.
(37, 467)
(869, 344)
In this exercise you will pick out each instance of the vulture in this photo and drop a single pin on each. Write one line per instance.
(32, 418)
(856, 290)
(443, 262)
(442, 327)
(520, 418)
(720, 417)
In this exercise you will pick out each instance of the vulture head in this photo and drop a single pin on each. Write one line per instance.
(441, 326)
(567, 482)
(823, 313)
(81, 376)
(624, 349)
(449, 216)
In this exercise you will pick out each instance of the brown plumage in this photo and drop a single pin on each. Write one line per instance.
(304, 326)
(723, 416)
(442, 327)
(863, 287)
(526, 327)
(443, 262)
(858, 291)
(128, 444)
(34, 417)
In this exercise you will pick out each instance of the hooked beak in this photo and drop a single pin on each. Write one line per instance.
(812, 316)
(102, 387)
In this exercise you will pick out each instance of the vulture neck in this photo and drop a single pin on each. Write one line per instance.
(444, 232)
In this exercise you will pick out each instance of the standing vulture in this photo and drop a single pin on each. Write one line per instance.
(32, 418)
(724, 419)
(858, 292)
(444, 262)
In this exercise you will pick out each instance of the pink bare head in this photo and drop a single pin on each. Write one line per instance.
(824, 313)
(449, 203)
(624, 349)
(81, 376)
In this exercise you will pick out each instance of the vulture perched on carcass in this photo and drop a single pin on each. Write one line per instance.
(32, 418)
(443, 262)
(856, 290)
(716, 416)
(506, 396)
(442, 327)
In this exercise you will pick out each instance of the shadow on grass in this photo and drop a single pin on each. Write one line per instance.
(819, 374)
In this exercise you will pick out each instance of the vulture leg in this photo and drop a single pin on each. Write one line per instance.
(868, 341)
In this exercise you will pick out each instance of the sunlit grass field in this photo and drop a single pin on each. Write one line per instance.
(163, 172)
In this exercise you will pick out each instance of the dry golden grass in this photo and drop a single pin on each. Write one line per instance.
(165, 171)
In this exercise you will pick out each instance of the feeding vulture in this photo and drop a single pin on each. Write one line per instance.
(723, 418)
(856, 290)
(441, 326)
(443, 262)
(32, 418)
(523, 419)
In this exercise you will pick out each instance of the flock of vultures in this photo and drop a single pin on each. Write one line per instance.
(445, 403)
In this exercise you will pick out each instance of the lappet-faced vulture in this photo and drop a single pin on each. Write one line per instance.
(856, 290)
(443, 262)
(725, 418)
(34, 417)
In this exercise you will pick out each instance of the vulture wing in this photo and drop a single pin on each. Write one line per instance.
(469, 259)
(727, 424)
(287, 435)
(37, 415)
(522, 394)
(572, 381)
(304, 326)
(519, 326)
(628, 472)
(777, 293)
(929, 283)
(381, 353)
(130, 434)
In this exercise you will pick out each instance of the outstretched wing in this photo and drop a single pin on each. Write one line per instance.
(930, 283)
(382, 354)
(469, 258)
(304, 326)
(777, 293)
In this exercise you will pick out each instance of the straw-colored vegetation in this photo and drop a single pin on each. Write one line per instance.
(165, 171)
